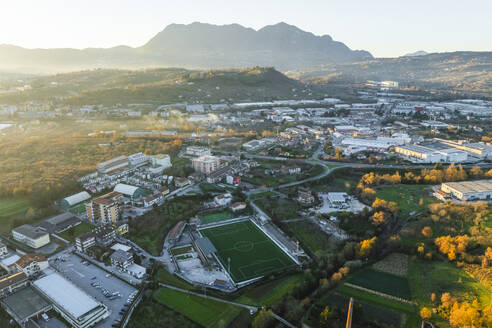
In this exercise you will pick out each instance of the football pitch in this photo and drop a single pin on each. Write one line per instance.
(252, 253)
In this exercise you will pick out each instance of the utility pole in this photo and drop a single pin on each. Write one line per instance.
(349, 314)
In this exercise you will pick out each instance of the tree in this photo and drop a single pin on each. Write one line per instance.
(263, 319)
(379, 218)
(465, 315)
(425, 313)
(338, 153)
(476, 172)
(328, 147)
(427, 232)
(366, 247)
(447, 300)
(380, 204)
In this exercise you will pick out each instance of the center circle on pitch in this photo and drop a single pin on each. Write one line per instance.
(243, 246)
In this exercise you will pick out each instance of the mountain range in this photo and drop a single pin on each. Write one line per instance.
(196, 45)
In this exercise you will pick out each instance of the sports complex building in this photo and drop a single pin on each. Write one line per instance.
(246, 252)
(227, 252)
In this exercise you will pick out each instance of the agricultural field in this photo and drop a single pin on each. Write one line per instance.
(380, 309)
(382, 282)
(215, 217)
(252, 253)
(10, 207)
(395, 263)
(206, 313)
(409, 198)
(73, 232)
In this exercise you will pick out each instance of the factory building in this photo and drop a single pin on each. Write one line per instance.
(469, 190)
(429, 154)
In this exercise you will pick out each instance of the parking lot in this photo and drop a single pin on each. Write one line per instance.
(95, 282)
(350, 205)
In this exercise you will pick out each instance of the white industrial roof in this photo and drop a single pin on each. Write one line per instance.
(77, 198)
(66, 295)
(138, 270)
(10, 260)
(337, 196)
(122, 247)
(125, 189)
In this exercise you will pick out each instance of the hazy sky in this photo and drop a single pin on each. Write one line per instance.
(384, 27)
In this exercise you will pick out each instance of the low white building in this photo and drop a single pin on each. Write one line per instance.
(137, 159)
(34, 237)
(32, 264)
(3, 249)
(223, 200)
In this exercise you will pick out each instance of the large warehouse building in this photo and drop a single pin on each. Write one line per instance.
(74, 305)
(431, 154)
(469, 190)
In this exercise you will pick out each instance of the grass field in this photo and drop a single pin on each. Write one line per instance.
(205, 312)
(71, 233)
(10, 207)
(310, 235)
(154, 314)
(382, 309)
(366, 309)
(167, 278)
(269, 293)
(215, 217)
(78, 209)
(149, 230)
(262, 195)
(252, 253)
(426, 277)
(279, 208)
(382, 282)
(407, 197)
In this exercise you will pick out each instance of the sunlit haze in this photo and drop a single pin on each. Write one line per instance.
(386, 28)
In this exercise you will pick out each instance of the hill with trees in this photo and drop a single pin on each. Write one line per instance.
(168, 85)
(462, 71)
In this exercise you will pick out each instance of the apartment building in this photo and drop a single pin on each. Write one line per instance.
(106, 208)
